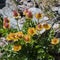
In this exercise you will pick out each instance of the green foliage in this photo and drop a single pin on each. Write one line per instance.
(17, 3)
(37, 49)
(1, 22)
(5, 32)
(27, 24)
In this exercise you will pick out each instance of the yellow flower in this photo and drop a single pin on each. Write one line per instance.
(12, 36)
(39, 27)
(31, 31)
(47, 26)
(19, 34)
(9, 37)
(25, 11)
(17, 47)
(6, 25)
(55, 41)
(27, 39)
(6, 20)
(38, 15)
(16, 14)
(29, 15)
(16, 17)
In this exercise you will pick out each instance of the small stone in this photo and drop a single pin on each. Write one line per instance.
(54, 8)
(28, 0)
(59, 10)
(56, 26)
(58, 18)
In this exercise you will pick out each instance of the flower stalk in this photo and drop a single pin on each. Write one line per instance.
(18, 28)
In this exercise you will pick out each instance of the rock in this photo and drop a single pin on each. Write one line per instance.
(59, 10)
(54, 8)
(35, 10)
(2, 3)
(55, 26)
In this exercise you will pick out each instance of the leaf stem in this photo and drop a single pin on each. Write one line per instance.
(18, 28)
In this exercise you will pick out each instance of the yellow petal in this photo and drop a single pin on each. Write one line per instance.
(17, 47)
(39, 27)
(27, 39)
(47, 26)
(55, 41)
(31, 31)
